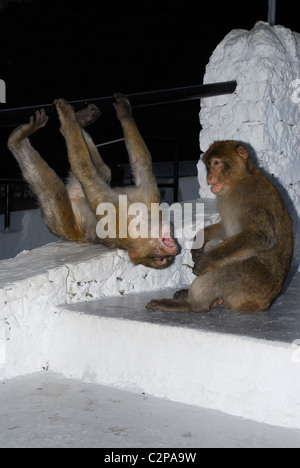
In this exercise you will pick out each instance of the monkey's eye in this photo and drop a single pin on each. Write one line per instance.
(216, 163)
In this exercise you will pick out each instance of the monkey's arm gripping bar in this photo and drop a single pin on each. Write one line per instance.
(15, 116)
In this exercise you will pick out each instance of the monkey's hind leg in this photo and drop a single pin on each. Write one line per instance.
(242, 286)
(102, 169)
(88, 115)
(201, 297)
(139, 155)
(95, 189)
(247, 286)
(44, 182)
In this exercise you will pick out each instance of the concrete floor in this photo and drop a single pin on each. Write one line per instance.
(46, 410)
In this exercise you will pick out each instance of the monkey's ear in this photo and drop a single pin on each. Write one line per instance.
(242, 152)
(133, 257)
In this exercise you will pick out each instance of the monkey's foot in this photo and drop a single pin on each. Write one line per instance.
(169, 305)
(87, 116)
(65, 111)
(155, 304)
(25, 130)
(122, 106)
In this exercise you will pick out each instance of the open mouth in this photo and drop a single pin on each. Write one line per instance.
(216, 188)
(169, 242)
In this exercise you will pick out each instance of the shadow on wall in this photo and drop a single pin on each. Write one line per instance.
(285, 195)
(289, 205)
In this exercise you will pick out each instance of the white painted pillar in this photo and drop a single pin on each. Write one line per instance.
(264, 111)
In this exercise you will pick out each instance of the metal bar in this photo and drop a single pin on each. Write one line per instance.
(7, 208)
(110, 142)
(12, 181)
(176, 174)
(272, 12)
(15, 116)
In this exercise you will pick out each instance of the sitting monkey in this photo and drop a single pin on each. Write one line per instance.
(246, 257)
(70, 212)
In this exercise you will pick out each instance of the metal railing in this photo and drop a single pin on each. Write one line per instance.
(175, 176)
(272, 12)
(15, 116)
(8, 183)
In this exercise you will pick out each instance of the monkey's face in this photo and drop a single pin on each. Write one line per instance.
(226, 163)
(154, 253)
(216, 175)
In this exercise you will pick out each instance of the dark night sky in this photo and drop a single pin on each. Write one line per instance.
(80, 50)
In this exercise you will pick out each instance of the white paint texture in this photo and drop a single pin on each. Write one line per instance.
(117, 343)
(35, 281)
(251, 378)
(265, 109)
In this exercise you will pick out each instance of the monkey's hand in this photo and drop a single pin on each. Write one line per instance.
(207, 247)
(122, 106)
(203, 265)
(197, 253)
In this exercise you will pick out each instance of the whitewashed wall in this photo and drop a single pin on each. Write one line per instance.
(265, 109)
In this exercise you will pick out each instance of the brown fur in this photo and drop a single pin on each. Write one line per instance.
(70, 212)
(246, 257)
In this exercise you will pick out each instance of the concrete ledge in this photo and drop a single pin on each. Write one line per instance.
(35, 282)
(63, 272)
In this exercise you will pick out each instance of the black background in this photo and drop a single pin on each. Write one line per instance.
(81, 50)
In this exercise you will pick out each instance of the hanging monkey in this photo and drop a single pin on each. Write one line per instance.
(70, 212)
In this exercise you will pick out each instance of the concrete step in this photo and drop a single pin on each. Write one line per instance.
(247, 365)
(46, 410)
(244, 364)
